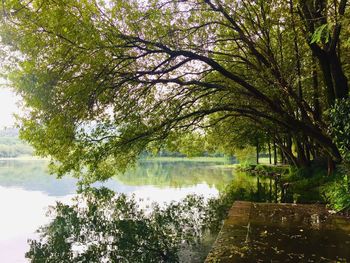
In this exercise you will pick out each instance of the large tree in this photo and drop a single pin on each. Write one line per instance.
(104, 80)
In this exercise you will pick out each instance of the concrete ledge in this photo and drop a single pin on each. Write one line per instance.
(268, 232)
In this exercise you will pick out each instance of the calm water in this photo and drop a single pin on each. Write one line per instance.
(26, 190)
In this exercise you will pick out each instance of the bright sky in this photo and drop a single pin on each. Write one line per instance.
(8, 106)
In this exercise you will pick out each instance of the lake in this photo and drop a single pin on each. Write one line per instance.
(26, 190)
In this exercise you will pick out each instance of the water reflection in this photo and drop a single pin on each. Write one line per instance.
(33, 176)
(177, 174)
(104, 227)
(22, 212)
(273, 190)
(292, 225)
(26, 189)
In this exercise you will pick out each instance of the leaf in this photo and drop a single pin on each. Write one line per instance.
(321, 34)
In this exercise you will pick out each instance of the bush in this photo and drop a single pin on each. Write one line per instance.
(338, 193)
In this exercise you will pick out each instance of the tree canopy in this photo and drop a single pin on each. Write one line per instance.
(105, 80)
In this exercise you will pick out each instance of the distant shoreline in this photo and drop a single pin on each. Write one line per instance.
(188, 159)
(24, 158)
(156, 158)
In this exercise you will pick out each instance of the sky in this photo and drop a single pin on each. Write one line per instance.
(8, 106)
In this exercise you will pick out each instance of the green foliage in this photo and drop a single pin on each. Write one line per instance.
(189, 144)
(338, 192)
(322, 34)
(239, 139)
(105, 81)
(246, 155)
(340, 126)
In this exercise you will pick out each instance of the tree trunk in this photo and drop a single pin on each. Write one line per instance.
(274, 153)
(307, 148)
(327, 77)
(331, 166)
(282, 156)
(316, 92)
(341, 88)
(257, 152)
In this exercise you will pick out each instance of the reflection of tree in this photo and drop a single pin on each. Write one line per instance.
(243, 187)
(251, 188)
(110, 228)
(101, 226)
(177, 174)
(33, 176)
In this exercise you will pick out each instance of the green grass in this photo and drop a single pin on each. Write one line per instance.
(265, 160)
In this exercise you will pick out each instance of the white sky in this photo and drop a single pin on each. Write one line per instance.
(8, 106)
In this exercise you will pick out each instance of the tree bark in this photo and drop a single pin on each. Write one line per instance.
(331, 166)
(274, 153)
(257, 152)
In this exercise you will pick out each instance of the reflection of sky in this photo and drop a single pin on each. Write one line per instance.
(26, 190)
(22, 212)
(154, 194)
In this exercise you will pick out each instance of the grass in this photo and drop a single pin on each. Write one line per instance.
(265, 160)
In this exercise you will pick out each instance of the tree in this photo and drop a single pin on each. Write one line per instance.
(234, 137)
(105, 80)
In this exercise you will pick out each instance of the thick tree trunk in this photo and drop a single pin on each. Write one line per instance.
(282, 155)
(287, 155)
(331, 166)
(274, 153)
(327, 77)
(307, 148)
(341, 88)
(316, 91)
(257, 152)
(334, 77)
(296, 50)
